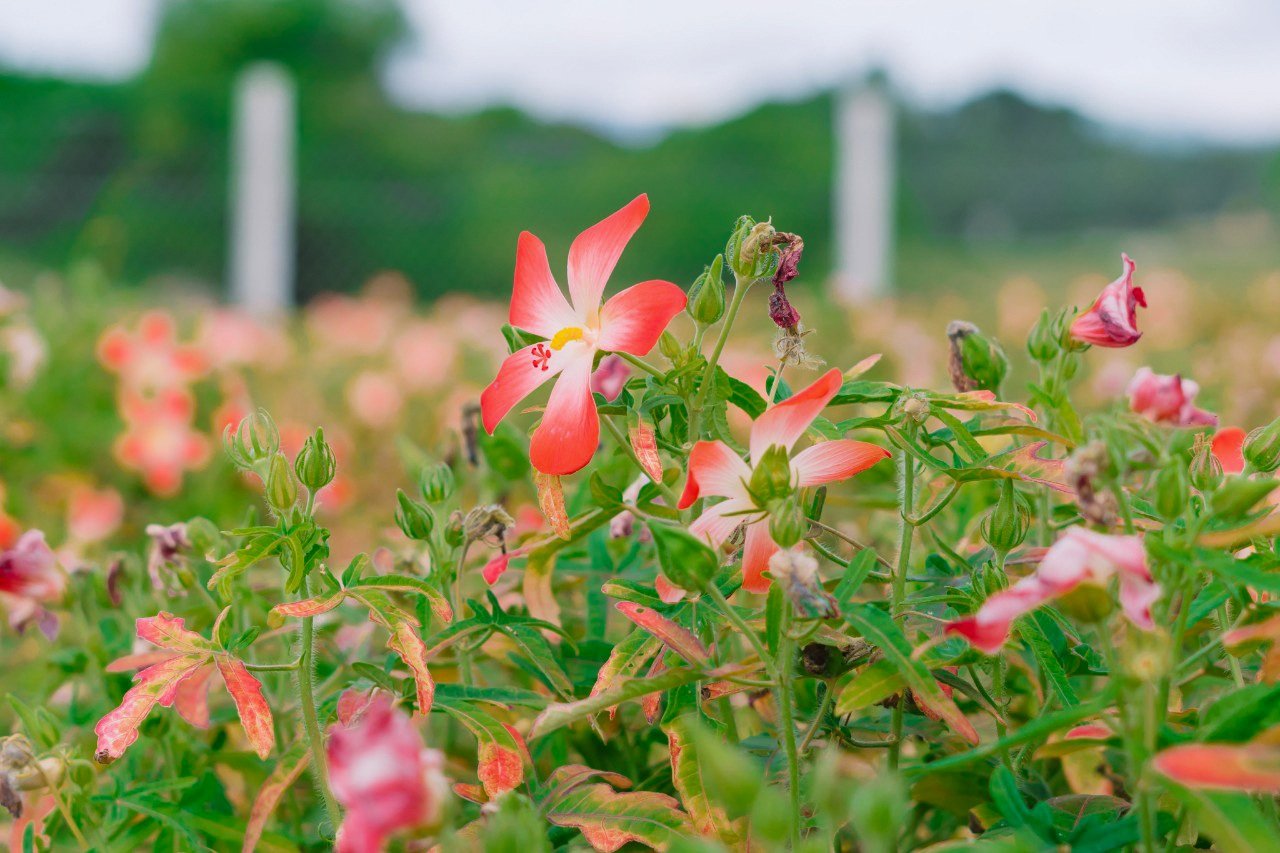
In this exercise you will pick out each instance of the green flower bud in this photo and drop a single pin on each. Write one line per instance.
(282, 489)
(877, 811)
(1262, 447)
(1206, 470)
(750, 252)
(685, 560)
(706, 294)
(1172, 489)
(315, 464)
(787, 524)
(771, 479)
(670, 347)
(253, 442)
(1045, 340)
(437, 483)
(1006, 524)
(977, 362)
(414, 518)
(455, 532)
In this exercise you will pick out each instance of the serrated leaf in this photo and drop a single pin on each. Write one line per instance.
(609, 819)
(499, 751)
(282, 777)
(677, 638)
(873, 684)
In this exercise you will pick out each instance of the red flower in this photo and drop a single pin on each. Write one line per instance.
(1112, 321)
(1228, 447)
(382, 776)
(714, 469)
(1167, 399)
(158, 441)
(151, 358)
(30, 578)
(1081, 556)
(575, 329)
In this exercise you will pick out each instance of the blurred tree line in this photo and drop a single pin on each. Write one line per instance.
(135, 174)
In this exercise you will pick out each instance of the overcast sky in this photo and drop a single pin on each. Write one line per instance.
(1197, 68)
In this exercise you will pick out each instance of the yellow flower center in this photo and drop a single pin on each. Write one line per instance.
(562, 337)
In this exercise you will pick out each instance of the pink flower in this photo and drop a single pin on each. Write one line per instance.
(575, 330)
(382, 776)
(30, 578)
(94, 514)
(610, 377)
(151, 358)
(1167, 399)
(375, 398)
(1081, 556)
(159, 441)
(714, 469)
(1228, 447)
(1112, 321)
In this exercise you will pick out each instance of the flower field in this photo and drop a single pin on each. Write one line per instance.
(616, 565)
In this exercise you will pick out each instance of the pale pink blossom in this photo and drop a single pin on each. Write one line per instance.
(1167, 399)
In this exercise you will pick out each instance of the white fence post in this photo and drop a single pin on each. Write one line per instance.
(262, 190)
(864, 191)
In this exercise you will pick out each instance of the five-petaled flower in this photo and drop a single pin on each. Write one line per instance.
(151, 358)
(383, 777)
(1112, 320)
(576, 330)
(178, 675)
(1167, 399)
(159, 441)
(716, 470)
(1081, 556)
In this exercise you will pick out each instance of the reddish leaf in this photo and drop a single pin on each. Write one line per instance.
(192, 699)
(138, 661)
(255, 714)
(280, 780)
(405, 642)
(644, 443)
(624, 662)
(471, 793)
(156, 684)
(1235, 767)
(501, 768)
(551, 500)
(166, 631)
(609, 819)
(678, 639)
(308, 606)
(652, 704)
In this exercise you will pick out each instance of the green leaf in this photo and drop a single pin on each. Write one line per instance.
(498, 695)
(1242, 713)
(535, 649)
(880, 631)
(1032, 630)
(878, 681)
(855, 575)
(687, 774)
(1232, 820)
(1007, 798)
(559, 715)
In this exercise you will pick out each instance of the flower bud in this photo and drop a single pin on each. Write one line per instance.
(1172, 489)
(455, 532)
(685, 560)
(771, 478)
(315, 464)
(1045, 339)
(787, 524)
(706, 295)
(488, 524)
(670, 347)
(282, 489)
(749, 252)
(253, 442)
(1007, 523)
(914, 407)
(436, 483)
(977, 362)
(414, 518)
(1206, 470)
(1262, 447)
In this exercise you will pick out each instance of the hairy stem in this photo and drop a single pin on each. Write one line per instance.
(307, 707)
(740, 289)
(898, 594)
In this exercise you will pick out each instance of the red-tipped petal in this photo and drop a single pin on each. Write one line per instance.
(536, 301)
(831, 461)
(520, 375)
(714, 469)
(1234, 767)
(717, 523)
(566, 439)
(757, 550)
(786, 422)
(595, 253)
(633, 320)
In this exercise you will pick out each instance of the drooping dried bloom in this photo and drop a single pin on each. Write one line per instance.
(383, 777)
(797, 571)
(716, 470)
(30, 578)
(790, 350)
(1084, 472)
(1167, 399)
(575, 330)
(1081, 556)
(1112, 320)
(488, 524)
(167, 556)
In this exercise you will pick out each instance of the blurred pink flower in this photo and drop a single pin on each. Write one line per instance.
(375, 398)
(1081, 556)
(1228, 447)
(30, 578)
(424, 355)
(383, 777)
(610, 376)
(159, 441)
(151, 358)
(1112, 320)
(93, 514)
(1167, 399)
(230, 337)
(350, 325)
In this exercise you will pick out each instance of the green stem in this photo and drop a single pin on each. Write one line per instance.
(642, 364)
(310, 721)
(906, 532)
(786, 720)
(828, 698)
(672, 498)
(740, 289)
(463, 653)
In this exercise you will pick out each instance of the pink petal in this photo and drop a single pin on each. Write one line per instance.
(521, 373)
(714, 469)
(633, 320)
(1137, 596)
(988, 629)
(717, 523)
(756, 552)
(595, 252)
(1228, 766)
(787, 421)
(667, 591)
(536, 301)
(830, 461)
(1112, 321)
(567, 438)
